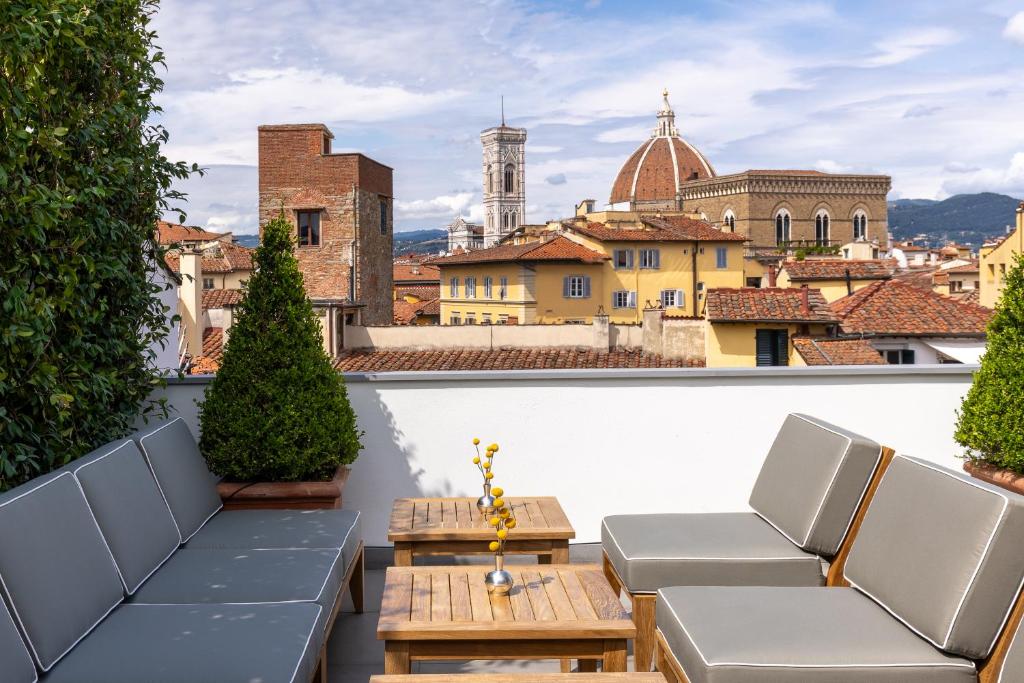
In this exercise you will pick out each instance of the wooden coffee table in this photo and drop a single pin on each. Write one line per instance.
(556, 611)
(452, 526)
(652, 677)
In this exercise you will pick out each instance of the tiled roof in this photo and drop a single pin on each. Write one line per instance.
(968, 296)
(213, 343)
(753, 304)
(221, 258)
(835, 269)
(557, 249)
(173, 233)
(659, 229)
(421, 292)
(921, 277)
(971, 267)
(405, 312)
(219, 298)
(837, 351)
(657, 169)
(504, 359)
(415, 272)
(895, 308)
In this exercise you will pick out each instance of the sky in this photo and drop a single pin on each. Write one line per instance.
(930, 93)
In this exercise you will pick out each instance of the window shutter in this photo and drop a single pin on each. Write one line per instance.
(586, 286)
(781, 347)
(764, 347)
(629, 259)
(657, 258)
(680, 298)
(565, 287)
(632, 299)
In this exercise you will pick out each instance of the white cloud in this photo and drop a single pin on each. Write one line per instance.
(441, 207)
(907, 46)
(625, 134)
(1008, 179)
(1015, 28)
(542, 149)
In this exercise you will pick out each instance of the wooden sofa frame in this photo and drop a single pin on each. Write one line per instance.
(643, 603)
(354, 581)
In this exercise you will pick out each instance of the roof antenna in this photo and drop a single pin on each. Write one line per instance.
(502, 111)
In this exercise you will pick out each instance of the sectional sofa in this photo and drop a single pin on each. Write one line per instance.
(121, 567)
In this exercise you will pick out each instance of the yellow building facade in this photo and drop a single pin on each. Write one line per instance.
(834, 278)
(997, 259)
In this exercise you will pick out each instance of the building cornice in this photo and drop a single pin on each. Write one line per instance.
(786, 183)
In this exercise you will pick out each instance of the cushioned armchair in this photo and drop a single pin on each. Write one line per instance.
(805, 501)
(935, 572)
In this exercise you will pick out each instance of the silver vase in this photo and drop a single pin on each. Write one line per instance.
(485, 503)
(499, 581)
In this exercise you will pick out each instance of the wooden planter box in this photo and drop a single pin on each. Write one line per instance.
(290, 495)
(1011, 481)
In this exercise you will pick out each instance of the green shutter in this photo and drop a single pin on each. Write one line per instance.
(781, 347)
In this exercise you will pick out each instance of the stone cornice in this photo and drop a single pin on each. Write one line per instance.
(786, 183)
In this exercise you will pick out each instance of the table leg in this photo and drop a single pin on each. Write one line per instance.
(403, 554)
(587, 665)
(560, 552)
(614, 655)
(396, 658)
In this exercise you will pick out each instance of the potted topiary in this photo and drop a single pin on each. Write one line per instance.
(276, 423)
(990, 423)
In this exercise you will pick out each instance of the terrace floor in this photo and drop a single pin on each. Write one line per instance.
(355, 654)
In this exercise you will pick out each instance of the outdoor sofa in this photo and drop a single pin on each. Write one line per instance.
(121, 567)
(935, 577)
(812, 485)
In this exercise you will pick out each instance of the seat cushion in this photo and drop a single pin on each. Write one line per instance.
(276, 643)
(57, 572)
(246, 577)
(813, 480)
(731, 549)
(128, 507)
(18, 666)
(941, 551)
(246, 529)
(181, 473)
(783, 635)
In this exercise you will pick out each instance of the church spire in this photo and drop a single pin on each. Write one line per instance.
(666, 119)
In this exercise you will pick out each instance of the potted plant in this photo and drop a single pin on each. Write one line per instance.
(990, 423)
(276, 422)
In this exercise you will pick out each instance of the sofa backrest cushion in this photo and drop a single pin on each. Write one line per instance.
(16, 662)
(181, 473)
(57, 572)
(128, 507)
(943, 553)
(812, 482)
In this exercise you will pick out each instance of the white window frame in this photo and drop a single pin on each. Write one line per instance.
(629, 259)
(488, 287)
(822, 227)
(673, 298)
(628, 295)
(650, 259)
(860, 225)
(470, 287)
(453, 288)
(577, 286)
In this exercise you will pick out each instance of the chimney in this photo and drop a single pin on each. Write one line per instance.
(805, 300)
(849, 282)
(190, 299)
(772, 275)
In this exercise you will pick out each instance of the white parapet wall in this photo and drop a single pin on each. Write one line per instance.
(489, 337)
(617, 441)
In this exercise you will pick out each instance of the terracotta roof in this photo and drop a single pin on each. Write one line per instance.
(969, 296)
(505, 359)
(201, 365)
(657, 170)
(220, 298)
(213, 343)
(971, 267)
(835, 269)
(663, 229)
(837, 351)
(917, 277)
(405, 312)
(421, 292)
(415, 272)
(769, 304)
(221, 258)
(557, 249)
(173, 233)
(895, 308)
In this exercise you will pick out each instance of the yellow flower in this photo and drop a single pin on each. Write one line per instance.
(502, 534)
(489, 475)
(510, 524)
(476, 461)
(493, 447)
(494, 546)
(504, 513)
(498, 502)
(498, 492)
(476, 442)
(487, 465)
(495, 521)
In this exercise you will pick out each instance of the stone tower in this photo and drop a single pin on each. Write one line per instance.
(504, 180)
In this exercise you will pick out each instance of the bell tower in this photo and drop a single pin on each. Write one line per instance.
(504, 169)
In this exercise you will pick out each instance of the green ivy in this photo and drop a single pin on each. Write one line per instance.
(991, 420)
(82, 182)
(277, 410)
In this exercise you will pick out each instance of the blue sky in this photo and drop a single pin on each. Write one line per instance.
(931, 93)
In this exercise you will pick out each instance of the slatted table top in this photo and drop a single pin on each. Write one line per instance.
(571, 601)
(457, 519)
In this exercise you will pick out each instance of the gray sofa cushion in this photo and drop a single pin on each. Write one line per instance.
(15, 661)
(244, 529)
(942, 552)
(128, 507)
(1013, 665)
(246, 577)
(181, 473)
(716, 549)
(813, 480)
(791, 635)
(276, 643)
(57, 572)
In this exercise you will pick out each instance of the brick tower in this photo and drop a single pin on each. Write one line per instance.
(341, 207)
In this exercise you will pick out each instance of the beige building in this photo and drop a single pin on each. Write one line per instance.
(835, 278)
(997, 258)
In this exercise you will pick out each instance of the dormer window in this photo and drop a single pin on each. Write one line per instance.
(309, 228)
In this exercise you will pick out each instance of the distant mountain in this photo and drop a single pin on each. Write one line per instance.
(251, 241)
(964, 218)
(420, 241)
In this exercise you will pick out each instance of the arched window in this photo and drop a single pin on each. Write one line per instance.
(512, 221)
(510, 178)
(821, 228)
(490, 180)
(729, 219)
(860, 226)
(782, 225)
